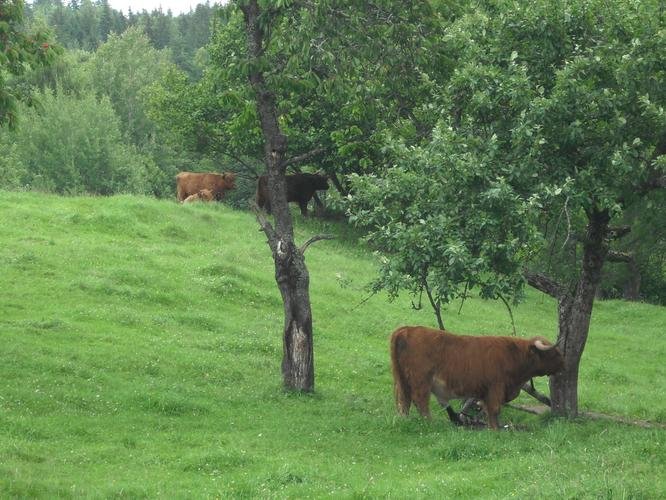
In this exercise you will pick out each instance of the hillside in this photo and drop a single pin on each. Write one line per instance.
(141, 348)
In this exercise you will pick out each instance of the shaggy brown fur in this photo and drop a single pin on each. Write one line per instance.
(491, 369)
(189, 183)
(202, 195)
(300, 188)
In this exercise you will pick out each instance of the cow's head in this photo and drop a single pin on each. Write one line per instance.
(320, 182)
(229, 180)
(548, 358)
(205, 195)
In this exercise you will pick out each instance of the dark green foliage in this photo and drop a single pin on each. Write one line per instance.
(19, 51)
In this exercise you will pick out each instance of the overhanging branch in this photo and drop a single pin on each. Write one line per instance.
(301, 158)
(247, 166)
(544, 283)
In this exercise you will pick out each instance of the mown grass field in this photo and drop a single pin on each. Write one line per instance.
(140, 348)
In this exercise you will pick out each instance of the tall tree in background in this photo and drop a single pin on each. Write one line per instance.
(105, 20)
(18, 52)
(122, 68)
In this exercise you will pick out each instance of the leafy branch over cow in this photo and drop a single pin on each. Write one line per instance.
(492, 369)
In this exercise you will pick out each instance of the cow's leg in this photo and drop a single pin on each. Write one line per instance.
(444, 403)
(493, 404)
(304, 207)
(421, 398)
(453, 416)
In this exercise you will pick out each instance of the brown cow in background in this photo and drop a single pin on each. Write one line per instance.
(202, 195)
(189, 183)
(300, 188)
(491, 369)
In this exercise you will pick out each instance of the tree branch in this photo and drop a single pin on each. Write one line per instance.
(619, 256)
(301, 158)
(543, 283)
(655, 181)
(247, 166)
(617, 232)
(266, 226)
(317, 237)
(529, 388)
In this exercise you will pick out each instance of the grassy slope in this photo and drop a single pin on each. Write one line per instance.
(140, 346)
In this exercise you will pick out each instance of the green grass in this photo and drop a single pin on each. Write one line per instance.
(140, 358)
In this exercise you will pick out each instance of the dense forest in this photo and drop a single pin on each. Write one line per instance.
(374, 95)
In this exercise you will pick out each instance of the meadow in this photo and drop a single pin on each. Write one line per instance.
(140, 349)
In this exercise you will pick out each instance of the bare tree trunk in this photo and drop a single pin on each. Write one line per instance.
(291, 274)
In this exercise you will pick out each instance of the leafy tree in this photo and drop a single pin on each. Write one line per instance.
(291, 273)
(19, 51)
(88, 23)
(304, 63)
(73, 145)
(555, 109)
(337, 96)
(122, 68)
(433, 215)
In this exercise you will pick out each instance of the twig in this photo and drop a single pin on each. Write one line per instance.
(566, 211)
(513, 323)
(464, 297)
(364, 300)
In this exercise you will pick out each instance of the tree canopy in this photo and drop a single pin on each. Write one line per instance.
(19, 51)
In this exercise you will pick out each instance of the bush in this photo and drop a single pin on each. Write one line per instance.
(73, 145)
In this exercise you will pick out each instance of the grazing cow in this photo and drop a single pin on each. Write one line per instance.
(300, 188)
(189, 183)
(491, 369)
(202, 195)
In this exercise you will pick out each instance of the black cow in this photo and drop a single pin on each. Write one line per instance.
(300, 188)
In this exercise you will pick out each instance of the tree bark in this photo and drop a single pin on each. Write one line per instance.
(575, 312)
(291, 273)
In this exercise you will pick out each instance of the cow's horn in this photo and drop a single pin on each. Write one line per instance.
(541, 346)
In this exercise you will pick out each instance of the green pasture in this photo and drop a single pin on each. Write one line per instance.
(140, 349)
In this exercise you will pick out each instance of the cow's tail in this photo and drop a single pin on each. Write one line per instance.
(403, 393)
